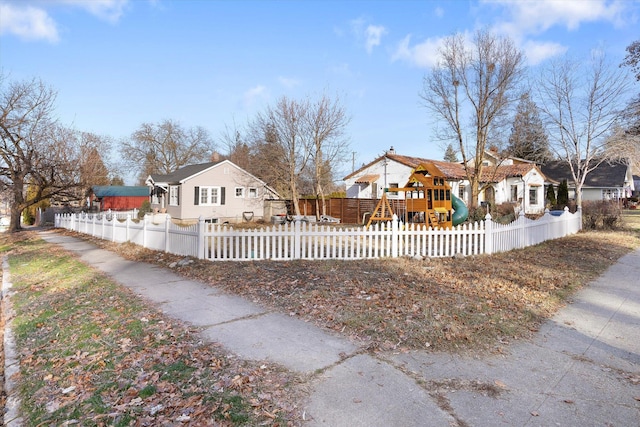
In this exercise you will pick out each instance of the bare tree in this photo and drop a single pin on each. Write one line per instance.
(624, 144)
(471, 89)
(35, 151)
(165, 147)
(632, 60)
(238, 148)
(327, 122)
(581, 101)
(285, 143)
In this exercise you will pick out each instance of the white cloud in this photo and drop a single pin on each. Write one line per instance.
(31, 20)
(540, 15)
(28, 23)
(374, 35)
(523, 20)
(107, 10)
(254, 95)
(423, 55)
(289, 83)
(439, 12)
(370, 35)
(537, 52)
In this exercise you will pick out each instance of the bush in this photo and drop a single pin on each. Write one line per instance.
(563, 193)
(601, 215)
(144, 209)
(503, 213)
(551, 196)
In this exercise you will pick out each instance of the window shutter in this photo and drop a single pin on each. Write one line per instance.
(222, 194)
(196, 197)
(178, 195)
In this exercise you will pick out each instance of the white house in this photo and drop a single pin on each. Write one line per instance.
(218, 191)
(504, 180)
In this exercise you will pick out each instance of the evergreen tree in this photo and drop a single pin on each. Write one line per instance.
(450, 154)
(528, 138)
(551, 195)
(563, 193)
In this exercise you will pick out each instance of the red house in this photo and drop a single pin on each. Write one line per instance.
(119, 198)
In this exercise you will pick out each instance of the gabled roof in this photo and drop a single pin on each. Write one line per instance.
(186, 172)
(183, 173)
(497, 174)
(450, 170)
(456, 170)
(101, 191)
(606, 175)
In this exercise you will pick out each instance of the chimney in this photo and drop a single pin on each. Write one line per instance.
(215, 157)
(391, 150)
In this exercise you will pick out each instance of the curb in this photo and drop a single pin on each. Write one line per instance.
(11, 416)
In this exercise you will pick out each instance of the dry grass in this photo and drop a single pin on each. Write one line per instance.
(478, 302)
(93, 354)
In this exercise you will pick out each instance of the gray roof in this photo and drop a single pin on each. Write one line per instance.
(182, 173)
(606, 175)
(101, 191)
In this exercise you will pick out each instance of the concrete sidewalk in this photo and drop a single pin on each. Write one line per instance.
(582, 369)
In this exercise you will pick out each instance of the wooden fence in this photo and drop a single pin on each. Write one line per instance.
(301, 240)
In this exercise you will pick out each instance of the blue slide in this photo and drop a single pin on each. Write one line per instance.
(461, 211)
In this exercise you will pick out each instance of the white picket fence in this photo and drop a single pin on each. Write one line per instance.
(301, 240)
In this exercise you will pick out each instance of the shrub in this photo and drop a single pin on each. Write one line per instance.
(601, 215)
(551, 195)
(144, 209)
(563, 193)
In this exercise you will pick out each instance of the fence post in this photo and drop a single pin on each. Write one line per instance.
(395, 235)
(128, 224)
(201, 245)
(166, 232)
(144, 231)
(488, 234)
(297, 251)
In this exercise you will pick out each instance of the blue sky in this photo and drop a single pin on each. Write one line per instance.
(119, 63)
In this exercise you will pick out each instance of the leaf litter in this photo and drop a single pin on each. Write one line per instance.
(477, 303)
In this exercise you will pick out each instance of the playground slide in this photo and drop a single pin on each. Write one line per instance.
(461, 211)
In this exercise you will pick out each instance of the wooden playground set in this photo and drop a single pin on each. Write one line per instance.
(428, 198)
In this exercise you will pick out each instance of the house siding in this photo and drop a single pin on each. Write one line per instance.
(122, 203)
(227, 177)
(396, 172)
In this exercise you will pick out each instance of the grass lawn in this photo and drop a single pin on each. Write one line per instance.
(93, 352)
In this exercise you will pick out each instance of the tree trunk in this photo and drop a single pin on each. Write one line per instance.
(17, 205)
(15, 221)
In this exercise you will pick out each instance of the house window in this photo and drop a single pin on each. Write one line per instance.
(461, 192)
(174, 198)
(239, 192)
(514, 193)
(253, 192)
(533, 196)
(209, 196)
(391, 186)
